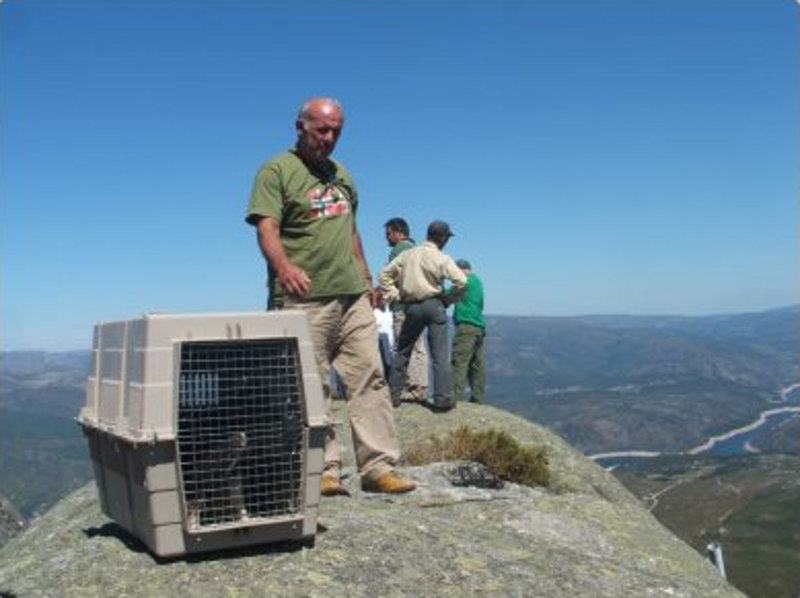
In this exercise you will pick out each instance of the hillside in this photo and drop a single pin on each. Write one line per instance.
(747, 504)
(610, 383)
(582, 537)
(44, 454)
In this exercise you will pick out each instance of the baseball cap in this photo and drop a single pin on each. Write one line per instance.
(463, 264)
(439, 228)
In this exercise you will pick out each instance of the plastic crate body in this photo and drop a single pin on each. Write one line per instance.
(206, 431)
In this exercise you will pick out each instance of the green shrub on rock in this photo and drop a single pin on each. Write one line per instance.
(500, 452)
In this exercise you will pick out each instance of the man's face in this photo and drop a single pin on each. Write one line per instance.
(318, 133)
(393, 237)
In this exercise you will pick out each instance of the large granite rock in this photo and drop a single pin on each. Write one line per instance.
(584, 536)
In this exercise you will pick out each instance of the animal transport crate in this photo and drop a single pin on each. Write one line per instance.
(206, 431)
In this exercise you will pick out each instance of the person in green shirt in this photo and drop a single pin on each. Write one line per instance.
(303, 206)
(398, 236)
(469, 352)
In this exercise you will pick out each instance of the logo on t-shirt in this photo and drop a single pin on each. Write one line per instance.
(328, 202)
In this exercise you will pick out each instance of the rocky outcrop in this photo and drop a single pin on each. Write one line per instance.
(583, 536)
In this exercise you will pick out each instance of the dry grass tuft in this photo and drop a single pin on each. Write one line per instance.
(497, 450)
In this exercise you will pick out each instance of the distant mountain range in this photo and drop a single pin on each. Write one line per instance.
(610, 383)
(599, 352)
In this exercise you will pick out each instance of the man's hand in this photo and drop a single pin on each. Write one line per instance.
(376, 298)
(294, 280)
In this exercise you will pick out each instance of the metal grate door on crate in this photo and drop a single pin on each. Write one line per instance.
(241, 436)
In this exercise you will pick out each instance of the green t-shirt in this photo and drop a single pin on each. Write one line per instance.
(470, 309)
(316, 210)
(399, 248)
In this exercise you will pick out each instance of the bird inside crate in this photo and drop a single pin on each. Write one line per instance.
(240, 432)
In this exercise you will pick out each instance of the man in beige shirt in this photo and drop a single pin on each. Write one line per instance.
(416, 278)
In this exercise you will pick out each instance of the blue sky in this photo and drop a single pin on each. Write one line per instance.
(592, 156)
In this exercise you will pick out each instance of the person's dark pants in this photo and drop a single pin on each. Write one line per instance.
(469, 362)
(430, 314)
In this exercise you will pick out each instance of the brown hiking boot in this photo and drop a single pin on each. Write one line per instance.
(388, 483)
(331, 485)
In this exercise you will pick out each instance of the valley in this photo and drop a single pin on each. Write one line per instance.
(686, 393)
(745, 503)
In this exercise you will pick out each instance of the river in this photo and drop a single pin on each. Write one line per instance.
(740, 440)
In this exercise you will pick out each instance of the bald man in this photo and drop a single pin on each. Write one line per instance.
(303, 206)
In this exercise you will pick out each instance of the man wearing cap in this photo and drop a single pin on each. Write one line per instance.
(469, 354)
(416, 278)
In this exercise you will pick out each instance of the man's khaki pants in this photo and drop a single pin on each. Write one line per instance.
(345, 336)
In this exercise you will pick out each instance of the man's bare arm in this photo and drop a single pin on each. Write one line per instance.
(294, 279)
